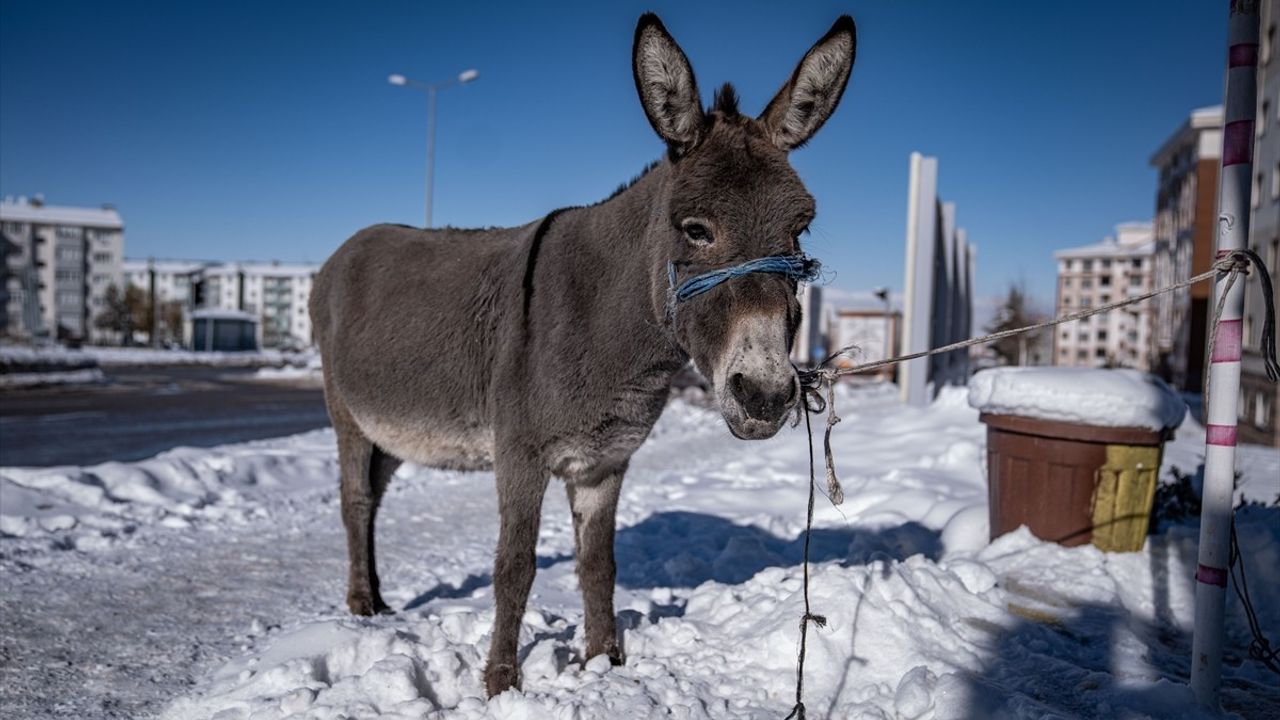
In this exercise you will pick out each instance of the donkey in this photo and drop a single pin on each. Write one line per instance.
(549, 349)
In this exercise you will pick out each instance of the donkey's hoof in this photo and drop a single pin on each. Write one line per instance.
(500, 678)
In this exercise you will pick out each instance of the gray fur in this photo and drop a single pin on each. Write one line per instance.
(547, 350)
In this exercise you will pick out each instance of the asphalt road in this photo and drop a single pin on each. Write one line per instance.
(142, 411)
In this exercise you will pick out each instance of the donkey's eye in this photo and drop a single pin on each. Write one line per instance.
(697, 232)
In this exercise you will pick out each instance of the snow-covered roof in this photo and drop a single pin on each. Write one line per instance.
(1132, 239)
(1200, 119)
(222, 314)
(23, 210)
(271, 269)
(177, 267)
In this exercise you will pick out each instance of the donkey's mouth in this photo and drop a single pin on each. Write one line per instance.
(752, 429)
(750, 421)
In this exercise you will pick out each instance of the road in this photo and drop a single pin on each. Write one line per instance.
(143, 411)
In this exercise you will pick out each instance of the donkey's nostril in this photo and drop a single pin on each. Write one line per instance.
(738, 388)
(762, 401)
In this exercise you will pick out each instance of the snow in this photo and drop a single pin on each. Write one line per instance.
(15, 357)
(222, 314)
(23, 210)
(56, 377)
(926, 619)
(1106, 398)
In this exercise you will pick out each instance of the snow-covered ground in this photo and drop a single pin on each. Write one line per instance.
(16, 356)
(210, 583)
(83, 376)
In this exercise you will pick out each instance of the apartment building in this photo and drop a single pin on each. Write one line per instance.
(1185, 220)
(276, 293)
(1259, 420)
(1102, 273)
(58, 262)
(174, 279)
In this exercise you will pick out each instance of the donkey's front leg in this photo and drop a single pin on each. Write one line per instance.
(595, 507)
(521, 484)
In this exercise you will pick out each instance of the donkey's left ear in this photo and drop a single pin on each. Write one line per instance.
(814, 90)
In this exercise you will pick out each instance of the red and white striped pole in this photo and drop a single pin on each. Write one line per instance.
(1234, 187)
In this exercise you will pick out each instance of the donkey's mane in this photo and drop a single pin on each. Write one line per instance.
(726, 101)
(623, 187)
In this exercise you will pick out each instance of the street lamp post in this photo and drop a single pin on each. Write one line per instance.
(430, 89)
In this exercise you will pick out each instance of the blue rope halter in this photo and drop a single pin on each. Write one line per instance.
(798, 267)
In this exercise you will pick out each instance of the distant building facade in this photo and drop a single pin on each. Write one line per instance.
(1185, 221)
(875, 334)
(274, 294)
(810, 347)
(1099, 274)
(1259, 420)
(58, 262)
(174, 279)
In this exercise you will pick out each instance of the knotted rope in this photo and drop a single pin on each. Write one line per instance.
(815, 400)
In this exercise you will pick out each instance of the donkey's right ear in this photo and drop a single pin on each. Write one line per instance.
(664, 80)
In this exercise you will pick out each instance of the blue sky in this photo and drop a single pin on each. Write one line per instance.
(239, 130)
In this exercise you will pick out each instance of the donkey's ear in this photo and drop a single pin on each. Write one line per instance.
(814, 90)
(665, 82)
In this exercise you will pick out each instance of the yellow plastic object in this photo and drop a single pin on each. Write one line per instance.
(1122, 500)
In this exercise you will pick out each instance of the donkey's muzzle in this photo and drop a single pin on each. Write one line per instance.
(764, 399)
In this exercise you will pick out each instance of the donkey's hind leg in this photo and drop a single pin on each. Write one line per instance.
(381, 467)
(360, 495)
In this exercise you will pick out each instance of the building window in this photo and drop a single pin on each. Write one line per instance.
(1100, 353)
(1086, 265)
(1261, 129)
(1262, 411)
(1082, 354)
(1086, 283)
(102, 257)
(1137, 263)
(1102, 336)
(1104, 281)
(1256, 192)
(1135, 281)
(67, 253)
(1084, 302)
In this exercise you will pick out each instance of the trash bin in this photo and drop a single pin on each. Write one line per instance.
(1073, 453)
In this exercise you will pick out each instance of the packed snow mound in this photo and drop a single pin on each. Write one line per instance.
(86, 376)
(17, 357)
(100, 505)
(1011, 631)
(1105, 398)
(926, 618)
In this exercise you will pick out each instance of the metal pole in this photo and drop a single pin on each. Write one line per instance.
(431, 146)
(1234, 186)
